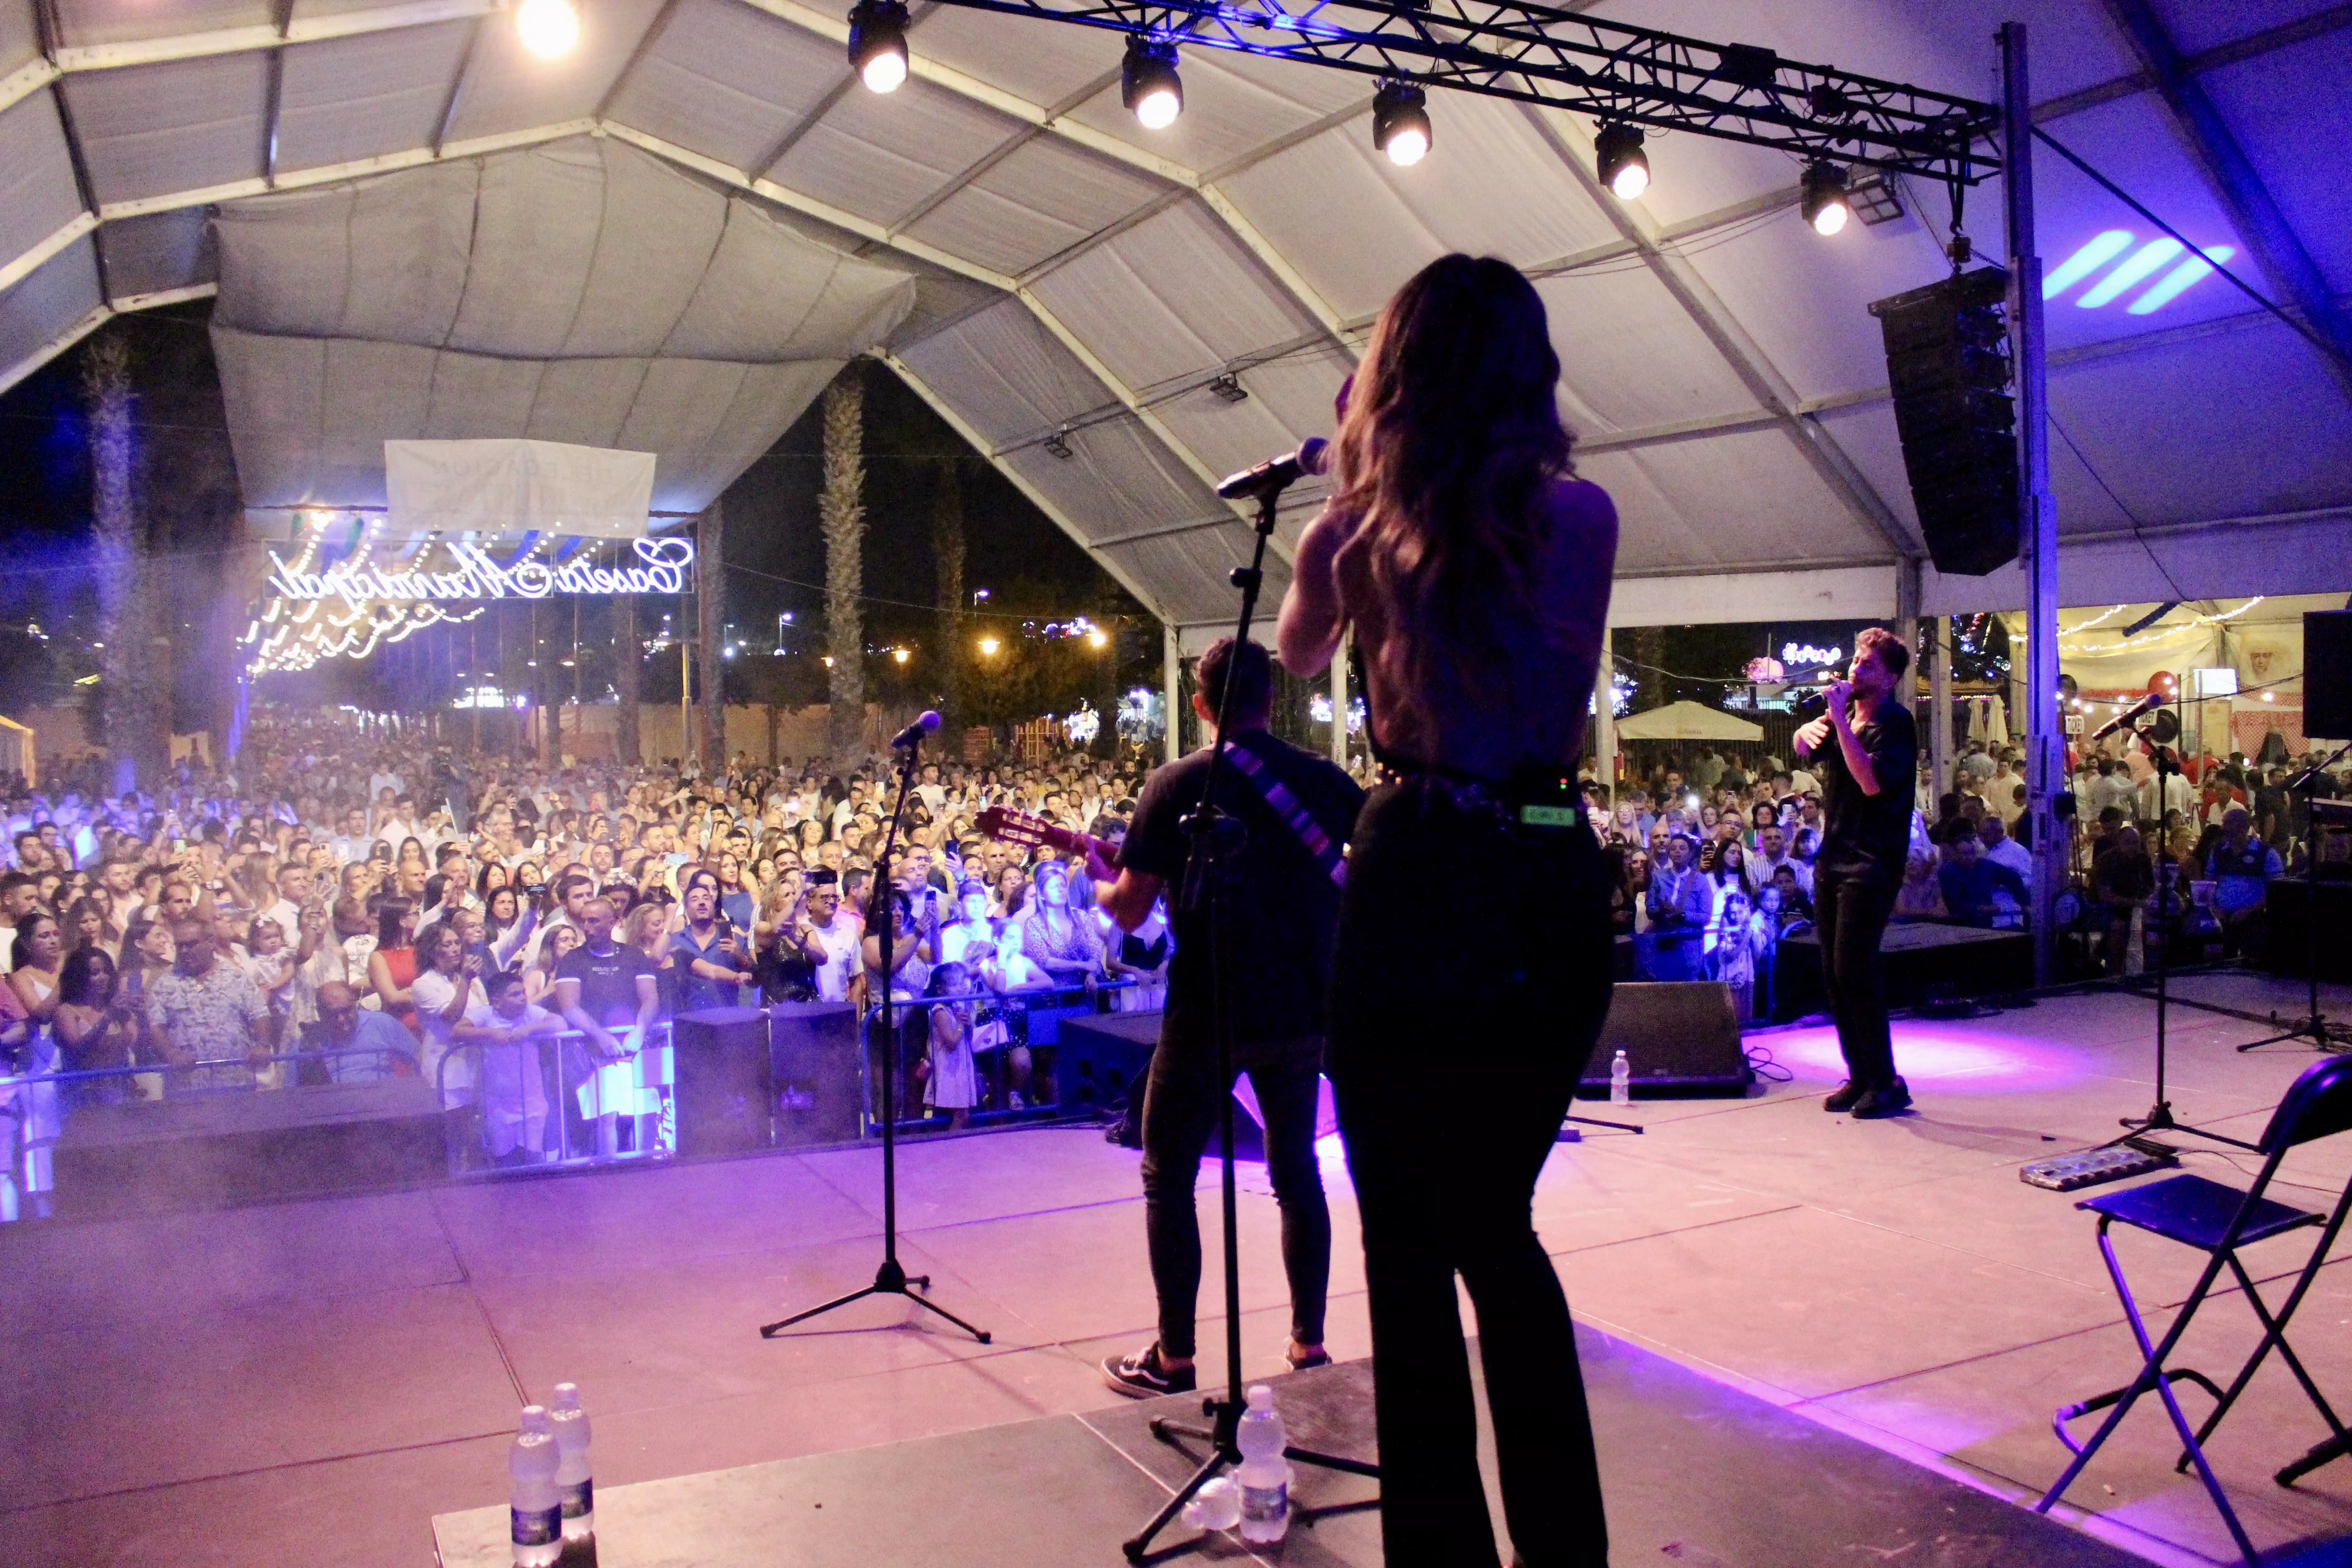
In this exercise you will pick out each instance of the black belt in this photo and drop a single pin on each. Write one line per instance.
(1512, 805)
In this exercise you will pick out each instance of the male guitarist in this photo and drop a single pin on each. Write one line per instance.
(1282, 903)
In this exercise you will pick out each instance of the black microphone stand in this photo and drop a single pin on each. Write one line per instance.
(891, 1278)
(2159, 1117)
(2313, 1026)
(1216, 838)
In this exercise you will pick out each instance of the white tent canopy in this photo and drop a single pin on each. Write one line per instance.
(1076, 273)
(1686, 721)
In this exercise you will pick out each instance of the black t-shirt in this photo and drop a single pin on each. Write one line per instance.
(1867, 837)
(1282, 906)
(608, 981)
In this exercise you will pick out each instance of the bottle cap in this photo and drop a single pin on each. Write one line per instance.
(534, 1419)
(567, 1396)
(1261, 1397)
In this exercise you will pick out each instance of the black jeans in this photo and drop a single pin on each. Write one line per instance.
(1180, 1111)
(1455, 1048)
(1850, 919)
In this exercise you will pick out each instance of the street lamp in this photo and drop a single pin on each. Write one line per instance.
(988, 645)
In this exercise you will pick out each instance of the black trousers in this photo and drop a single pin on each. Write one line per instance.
(1181, 1108)
(1454, 1051)
(1850, 920)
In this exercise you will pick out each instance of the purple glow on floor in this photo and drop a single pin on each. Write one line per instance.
(1926, 1052)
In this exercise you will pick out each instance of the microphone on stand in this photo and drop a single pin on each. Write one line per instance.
(2130, 716)
(1313, 457)
(912, 736)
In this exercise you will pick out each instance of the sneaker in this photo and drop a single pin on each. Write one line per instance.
(1892, 1101)
(1843, 1098)
(1013, 1097)
(1140, 1376)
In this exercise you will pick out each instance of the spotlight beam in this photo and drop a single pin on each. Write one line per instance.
(1605, 69)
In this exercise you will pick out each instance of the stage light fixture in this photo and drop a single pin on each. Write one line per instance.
(1058, 444)
(548, 27)
(1148, 83)
(1624, 167)
(877, 43)
(1228, 388)
(1401, 123)
(1825, 204)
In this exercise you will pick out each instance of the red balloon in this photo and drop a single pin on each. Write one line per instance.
(2160, 681)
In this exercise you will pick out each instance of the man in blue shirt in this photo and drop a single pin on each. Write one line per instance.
(343, 1027)
(1971, 883)
(2242, 866)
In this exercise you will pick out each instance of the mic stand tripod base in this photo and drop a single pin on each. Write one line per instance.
(1224, 1453)
(891, 1280)
(2159, 1119)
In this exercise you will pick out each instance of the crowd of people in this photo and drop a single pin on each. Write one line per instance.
(1711, 864)
(341, 905)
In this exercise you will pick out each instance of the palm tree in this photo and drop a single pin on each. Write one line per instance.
(947, 568)
(841, 511)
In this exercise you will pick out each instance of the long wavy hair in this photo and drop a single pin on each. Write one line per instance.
(1450, 438)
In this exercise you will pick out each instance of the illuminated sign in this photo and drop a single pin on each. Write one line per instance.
(662, 568)
(1806, 653)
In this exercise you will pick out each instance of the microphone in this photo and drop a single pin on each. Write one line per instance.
(1313, 457)
(2130, 716)
(912, 736)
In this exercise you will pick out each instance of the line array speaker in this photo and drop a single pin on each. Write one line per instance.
(1947, 366)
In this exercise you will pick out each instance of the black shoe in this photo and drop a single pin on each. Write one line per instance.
(1845, 1097)
(1892, 1101)
(1140, 1376)
(1313, 1358)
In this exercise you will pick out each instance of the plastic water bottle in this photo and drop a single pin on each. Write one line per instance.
(537, 1511)
(1621, 1080)
(575, 1490)
(1264, 1474)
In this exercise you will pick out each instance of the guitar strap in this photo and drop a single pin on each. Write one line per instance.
(1296, 816)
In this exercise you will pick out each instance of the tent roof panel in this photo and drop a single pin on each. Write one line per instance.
(1006, 373)
(159, 252)
(36, 180)
(2196, 26)
(1041, 62)
(1228, 114)
(1630, 356)
(2275, 122)
(507, 88)
(20, 36)
(1671, 514)
(83, 23)
(1173, 296)
(183, 125)
(877, 155)
(347, 99)
(728, 80)
(1038, 201)
(59, 293)
(1307, 197)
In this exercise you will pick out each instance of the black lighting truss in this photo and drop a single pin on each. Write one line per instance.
(1739, 92)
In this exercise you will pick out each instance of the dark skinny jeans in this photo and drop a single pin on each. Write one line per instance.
(1454, 1049)
(1850, 918)
(1181, 1101)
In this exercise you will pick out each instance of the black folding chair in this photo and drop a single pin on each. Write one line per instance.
(2218, 1220)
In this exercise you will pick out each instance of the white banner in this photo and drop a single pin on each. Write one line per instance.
(515, 486)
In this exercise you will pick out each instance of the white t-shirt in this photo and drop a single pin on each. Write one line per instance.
(430, 992)
(842, 941)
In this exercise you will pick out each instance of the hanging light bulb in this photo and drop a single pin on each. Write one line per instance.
(1824, 204)
(1625, 168)
(1401, 123)
(877, 43)
(1148, 82)
(548, 27)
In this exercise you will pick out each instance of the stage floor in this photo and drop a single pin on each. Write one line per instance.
(316, 1381)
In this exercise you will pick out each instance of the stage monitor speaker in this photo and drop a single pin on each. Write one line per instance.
(1947, 366)
(2327, 674)
(819, 1082)
(723, 1093)
(1681, 1038)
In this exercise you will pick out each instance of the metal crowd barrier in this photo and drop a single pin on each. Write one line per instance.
(640, 1089)
(1031, 1018)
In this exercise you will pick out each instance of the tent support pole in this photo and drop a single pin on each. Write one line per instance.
(1339, 700)
(1171, 671)
(1604, 715)
(2045, 774)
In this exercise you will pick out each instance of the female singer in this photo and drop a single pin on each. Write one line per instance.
(1475, 569)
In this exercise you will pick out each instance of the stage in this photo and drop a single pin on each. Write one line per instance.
(320, 1379)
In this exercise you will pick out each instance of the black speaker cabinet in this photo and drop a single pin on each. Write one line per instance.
(2327, 674)
(1100, 1058)
(1681, 1038)
(1947, 366)
(813, 1053)
(723, 1085)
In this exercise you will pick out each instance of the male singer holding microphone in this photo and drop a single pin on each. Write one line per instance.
(1282, 906)
(1866, 751)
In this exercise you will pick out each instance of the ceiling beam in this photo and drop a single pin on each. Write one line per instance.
(330, 173)
(269, 34)
(2319, 24)
(1772, 390)
(1037, 498)
(2235, 180)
